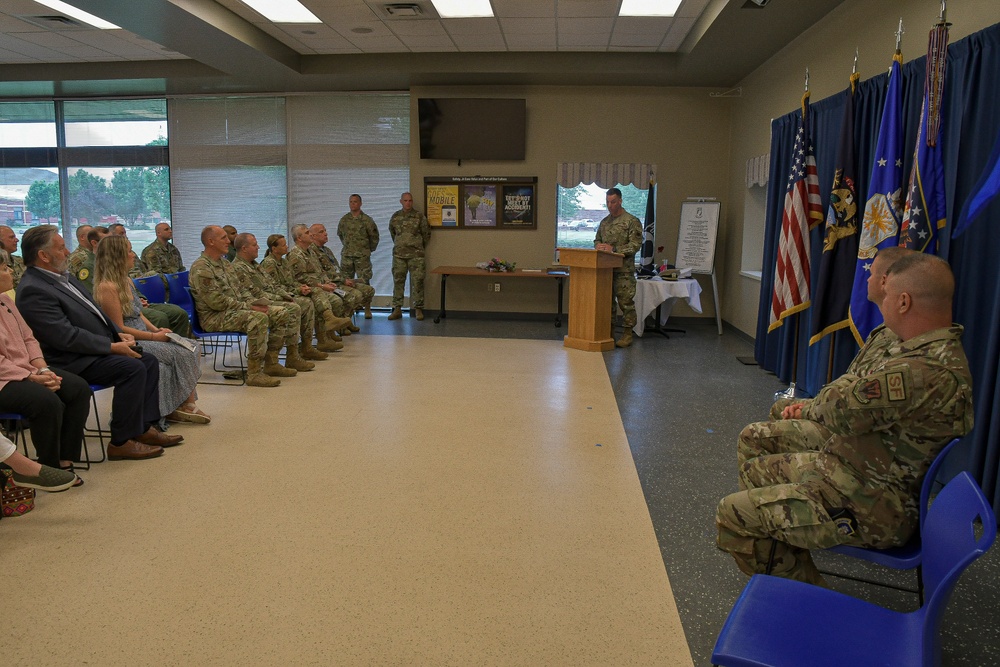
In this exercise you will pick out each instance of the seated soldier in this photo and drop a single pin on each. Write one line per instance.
(223, 306)
(258, 285)
(306, 271)
(161, 255)
(82, 246)
(785, 434)
(356, 294)
(862, 486)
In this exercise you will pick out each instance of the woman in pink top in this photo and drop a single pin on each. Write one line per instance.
(55, 402)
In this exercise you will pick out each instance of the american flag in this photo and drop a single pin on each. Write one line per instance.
(803, 211)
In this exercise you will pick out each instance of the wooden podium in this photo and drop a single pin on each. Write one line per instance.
(590, 297)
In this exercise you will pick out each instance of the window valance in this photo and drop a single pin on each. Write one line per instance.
(571, 174)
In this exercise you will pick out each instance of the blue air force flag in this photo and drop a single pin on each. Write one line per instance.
(883, 206)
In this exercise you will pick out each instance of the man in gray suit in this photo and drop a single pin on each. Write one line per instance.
(76, 335)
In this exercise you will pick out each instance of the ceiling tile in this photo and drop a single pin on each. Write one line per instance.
(691, 8)
(421, 43)
(538, 26)
(590, 42)
(524, 8)
(585, 26)
(588, 8)
(482, 26)
(643, 26)
(480, 42)
(530, 42)
(422, 27)
(377, 43)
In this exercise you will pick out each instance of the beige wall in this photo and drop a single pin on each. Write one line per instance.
(775, 89)
(683, 131)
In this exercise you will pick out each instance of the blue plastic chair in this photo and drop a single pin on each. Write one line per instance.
(908, 556)
(212, 341)
(16, 427)
(177, 283)
(781, 622)
(152, 288)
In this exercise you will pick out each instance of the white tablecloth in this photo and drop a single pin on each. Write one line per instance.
(651, 293)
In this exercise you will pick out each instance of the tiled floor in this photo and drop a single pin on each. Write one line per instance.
(430, 510)
(683, 401)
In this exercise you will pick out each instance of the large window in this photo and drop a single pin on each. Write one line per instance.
(112, 166)
(264, 163)
(580, 209)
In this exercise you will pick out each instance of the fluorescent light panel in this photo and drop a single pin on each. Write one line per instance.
(78, 14)
(283, 11)
(462, 9)
(649, 7)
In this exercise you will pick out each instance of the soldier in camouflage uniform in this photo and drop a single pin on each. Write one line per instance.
(783, 434)
(161, 256)
(223, 306)
(356, 294)
(260, 286)
(84, 271)
(331, 310)
(621, 232)
(82, 246)
(276, 270)
(410, 233)
(8, 242)
(359, 234)
(862, 487)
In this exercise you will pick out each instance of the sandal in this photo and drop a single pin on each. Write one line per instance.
(72, 468)
(189, 412)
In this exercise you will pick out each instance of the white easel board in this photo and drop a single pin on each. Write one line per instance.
(696, 237)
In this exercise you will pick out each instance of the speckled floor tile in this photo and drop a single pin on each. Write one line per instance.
(415, 500)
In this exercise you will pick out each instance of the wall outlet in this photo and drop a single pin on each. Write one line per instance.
(497, 287)
(489, 287)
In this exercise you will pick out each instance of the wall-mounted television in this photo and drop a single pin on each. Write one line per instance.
(462, 128)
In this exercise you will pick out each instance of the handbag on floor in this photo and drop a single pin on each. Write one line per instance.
(15, 500)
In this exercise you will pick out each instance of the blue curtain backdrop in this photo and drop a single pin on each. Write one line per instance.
(970, 126)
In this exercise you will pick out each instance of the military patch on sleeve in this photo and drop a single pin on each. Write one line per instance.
(868, 391)
(84, 274)
(895, 386)
(844, 520)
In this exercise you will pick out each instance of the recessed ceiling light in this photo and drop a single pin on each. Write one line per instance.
(455, 9)
(70, 10)
(649, 7)
(283, 11)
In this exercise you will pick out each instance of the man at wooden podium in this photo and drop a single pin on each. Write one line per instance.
(621, 232)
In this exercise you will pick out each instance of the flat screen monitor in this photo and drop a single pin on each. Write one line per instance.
(453, 128)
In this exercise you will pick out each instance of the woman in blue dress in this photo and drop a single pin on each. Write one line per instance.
(180, 367)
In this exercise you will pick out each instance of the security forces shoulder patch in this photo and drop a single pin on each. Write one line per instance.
(868, 391)
(895, 386)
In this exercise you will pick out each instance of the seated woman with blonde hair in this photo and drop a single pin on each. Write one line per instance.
(180, 367)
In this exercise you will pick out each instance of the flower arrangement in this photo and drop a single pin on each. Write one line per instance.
(497, 265)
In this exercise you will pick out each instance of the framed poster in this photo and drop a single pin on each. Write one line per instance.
(696, 236)
(482, 202)
(442, 205)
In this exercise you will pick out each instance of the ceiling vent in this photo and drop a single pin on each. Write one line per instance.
(54, 22)
(403, 10)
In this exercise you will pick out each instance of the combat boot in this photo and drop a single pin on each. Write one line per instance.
(256, 377)
(324, 344)
(625, 340)
(273, 368)
(368, 311)
(293, 360)
(396, 313)
(307, 351)
(334, 323)
(420, 314)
